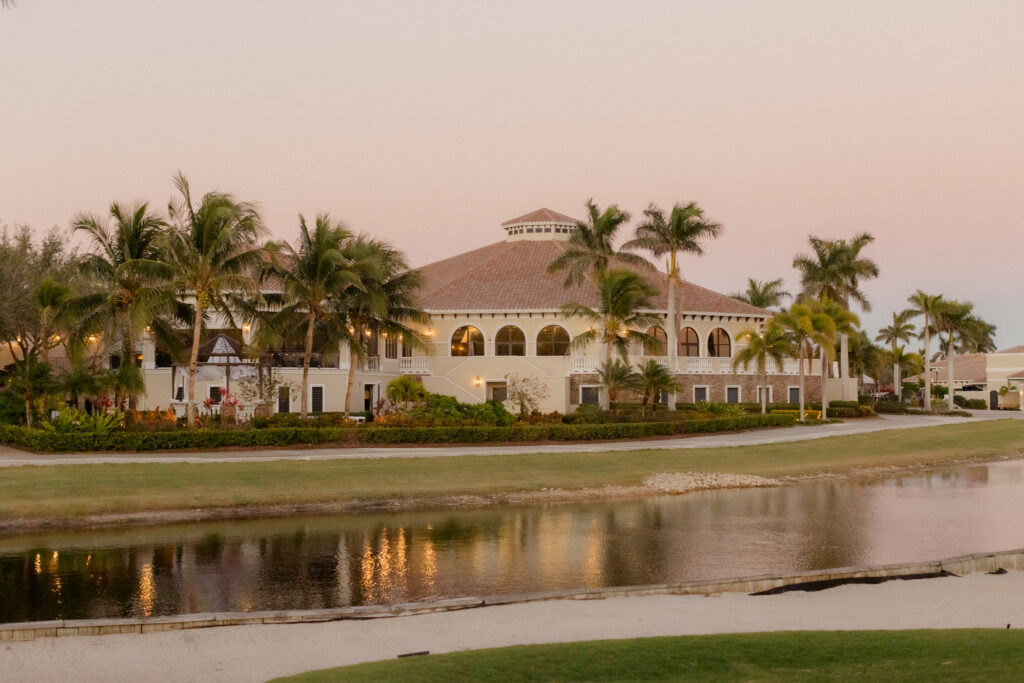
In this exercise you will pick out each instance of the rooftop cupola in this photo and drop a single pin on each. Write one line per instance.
(542, 224)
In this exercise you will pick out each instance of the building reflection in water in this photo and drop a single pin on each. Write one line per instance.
(356, 559)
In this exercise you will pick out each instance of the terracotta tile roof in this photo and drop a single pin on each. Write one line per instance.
(541, 216)
(1019, 374)
(969, 367)
(1013, 349)
(512, 276)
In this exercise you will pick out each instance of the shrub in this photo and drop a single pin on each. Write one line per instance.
(971, 403)
(47, 441)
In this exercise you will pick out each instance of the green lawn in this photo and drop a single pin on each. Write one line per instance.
(953, 655)
(71, 491)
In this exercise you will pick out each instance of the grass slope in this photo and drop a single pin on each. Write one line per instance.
(72, 491)
(952, 655)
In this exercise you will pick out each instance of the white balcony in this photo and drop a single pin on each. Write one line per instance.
(696, 366)
(370, 364)
(415, 366)
(584, 365)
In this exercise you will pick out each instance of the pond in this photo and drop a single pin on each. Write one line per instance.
(359, 559)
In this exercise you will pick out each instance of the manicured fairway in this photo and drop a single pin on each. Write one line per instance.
(55, 492)
(953, 655)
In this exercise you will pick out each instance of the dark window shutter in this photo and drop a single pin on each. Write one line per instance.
(318, 400)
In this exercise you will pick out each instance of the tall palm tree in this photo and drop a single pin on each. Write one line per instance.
(769, 343)
(51, 300)
(835, 271)
(844, 322)
(680, 233)
(768, 294)
(955, 318)
(624, 297)
(314, 276)
(808, 326)
(589, 249)
(131, 280)
(929, 306)
(213, 258)
(382, 301)
(901, 330)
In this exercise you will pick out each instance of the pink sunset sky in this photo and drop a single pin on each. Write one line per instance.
(429, 123)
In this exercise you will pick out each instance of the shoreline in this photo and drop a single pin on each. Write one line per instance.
(470, 500)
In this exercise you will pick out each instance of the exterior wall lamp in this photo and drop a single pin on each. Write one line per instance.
(478, 381)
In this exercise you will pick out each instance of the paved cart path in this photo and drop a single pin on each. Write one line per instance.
(256, 653)
(10, 457)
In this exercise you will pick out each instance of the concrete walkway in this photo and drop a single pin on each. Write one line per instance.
(256, 653)
(10, 457)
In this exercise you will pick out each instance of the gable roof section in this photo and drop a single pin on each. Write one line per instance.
(512, 276)
(970, 367)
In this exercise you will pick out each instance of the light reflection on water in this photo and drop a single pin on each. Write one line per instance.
(319, 562)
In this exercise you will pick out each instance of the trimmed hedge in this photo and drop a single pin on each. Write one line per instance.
(50, 442)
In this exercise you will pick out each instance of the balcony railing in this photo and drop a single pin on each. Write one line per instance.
(415, 366)
(583, 364)
(370, 364)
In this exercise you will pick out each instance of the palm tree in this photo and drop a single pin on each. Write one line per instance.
(653, 379)
(79, 382)
(772, 342)
(617, 376)
(835, 271)
(680, 233)
(959, 318)
(844, 322)
(131, 279)
(623, 298)
(51, 300)
(901, 330)
(382, 301)
(767, 294)
(314, 276)
(929, 306)
(213, 259)
(589, 250)
(808, 326)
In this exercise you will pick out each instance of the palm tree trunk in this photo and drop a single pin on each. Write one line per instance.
(824, 385)
(800, 363)
(352, 358)
(927, 368)
(193, 366)
(844, 362)
(949, 356)
(304, 401)
(606, 398)
(131, 360)
(672, 331)
(764, 389)
(897, 385)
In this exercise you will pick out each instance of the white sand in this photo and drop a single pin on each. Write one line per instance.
(256, 653)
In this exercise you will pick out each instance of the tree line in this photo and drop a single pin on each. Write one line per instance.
(146, 273)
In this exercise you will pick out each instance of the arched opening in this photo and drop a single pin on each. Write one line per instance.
(510, 341)
(467, 341)
(689, 343)
(719, 344)
(552, 340)
(658, 346)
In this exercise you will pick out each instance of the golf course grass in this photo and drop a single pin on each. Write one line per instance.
(950, 655)
(67, 492)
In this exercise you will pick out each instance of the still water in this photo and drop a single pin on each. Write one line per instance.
(359, 559)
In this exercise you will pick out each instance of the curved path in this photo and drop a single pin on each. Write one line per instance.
(10, 457)
(256, 653)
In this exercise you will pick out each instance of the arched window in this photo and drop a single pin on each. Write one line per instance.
(553, 340)
(689, 343)
(510, 341)
(719, 345)
(658, 347)
(467, 341)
